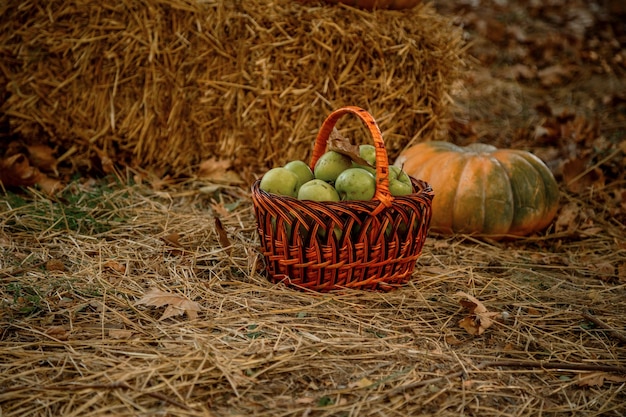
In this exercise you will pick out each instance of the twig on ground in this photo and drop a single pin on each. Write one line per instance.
(615, 333)
(515, 363)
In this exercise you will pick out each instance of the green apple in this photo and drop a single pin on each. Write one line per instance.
(368, 152)
(321, 233)
(399, 182)
(280, 181)
(368, 168)
(356, 184)
(317, 190)
(388, 230)
(301, 169)
(286, 226)
(330, 165)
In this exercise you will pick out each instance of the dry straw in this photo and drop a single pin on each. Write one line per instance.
(166, 84)
(74, 340)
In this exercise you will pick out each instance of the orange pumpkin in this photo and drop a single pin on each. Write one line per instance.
(482, 190)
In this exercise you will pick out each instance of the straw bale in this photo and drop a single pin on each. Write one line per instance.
(166, 84)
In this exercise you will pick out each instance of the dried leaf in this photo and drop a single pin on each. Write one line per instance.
(361, 383)
(554, 75)
(218, 171)
(470, 325)
(173, 239)
(452, 340)
(568, 218)
(305, 400)
(176, 304)
(471, 303)
(508, 347)
(55, 265)
(58, 332)
(577, 177)
(480, 319)
(221, 233)
(49, 185)
(531, 311)
(519, 71)
(42, 157)
(16, 171)
(105, 161)
(220, 209)
(597, 379)
(115, 266)
(338, 143)
(120, 334)
(210, 188)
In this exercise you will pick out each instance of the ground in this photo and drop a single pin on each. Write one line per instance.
(130, 296)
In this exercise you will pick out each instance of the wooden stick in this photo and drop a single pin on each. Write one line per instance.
(617, 334)
(512, 364)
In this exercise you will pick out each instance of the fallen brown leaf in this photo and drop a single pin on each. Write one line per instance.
(115, 266)
(520, 71)
(42, 156)
(452, 340)
(554, 75)
(176, 304)
(361, 383)
(218, 171)
(120, 334)
(219, 209)
(568, 218)
(597, 379)
(49, 185)
(16, 171)
(105, 161)
(55, 265)
(577, 177)
(173, 239)
(221, 233)
(58, 332)
(480, 319)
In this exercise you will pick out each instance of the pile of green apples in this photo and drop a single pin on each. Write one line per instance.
(335, 177)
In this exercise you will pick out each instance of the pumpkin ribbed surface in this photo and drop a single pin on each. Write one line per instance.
(483, 190)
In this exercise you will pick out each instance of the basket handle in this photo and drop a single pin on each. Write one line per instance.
(382, 193)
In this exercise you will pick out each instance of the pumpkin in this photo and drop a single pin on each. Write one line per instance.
(480, 189)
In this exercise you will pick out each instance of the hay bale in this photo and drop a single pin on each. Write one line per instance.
(165, 84)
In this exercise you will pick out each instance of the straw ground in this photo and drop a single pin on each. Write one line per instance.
(79, 337)
(76, 341)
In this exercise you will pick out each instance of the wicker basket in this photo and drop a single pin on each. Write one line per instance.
(325, 246)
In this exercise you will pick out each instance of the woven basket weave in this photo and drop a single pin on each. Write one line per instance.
(325, 246)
